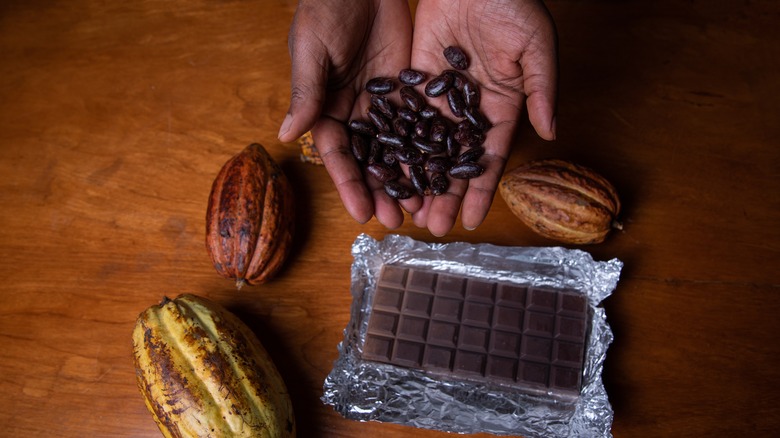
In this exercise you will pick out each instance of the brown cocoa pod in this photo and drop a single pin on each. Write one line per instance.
(250, 217)
(562, 201)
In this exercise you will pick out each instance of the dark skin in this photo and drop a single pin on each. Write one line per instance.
(511, 46)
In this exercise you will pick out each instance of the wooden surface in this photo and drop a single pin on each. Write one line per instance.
(116, 116)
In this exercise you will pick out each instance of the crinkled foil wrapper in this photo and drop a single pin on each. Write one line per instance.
(370, 391)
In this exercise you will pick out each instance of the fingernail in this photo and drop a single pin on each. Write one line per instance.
(285, 125)
(553, 126)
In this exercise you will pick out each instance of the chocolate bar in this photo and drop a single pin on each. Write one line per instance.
(526, 338)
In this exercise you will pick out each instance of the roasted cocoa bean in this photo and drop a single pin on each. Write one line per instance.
(456, 58)
(471, 94)
(383, 172)
(396, 190)
(412, 77)
(429, 112)
(438, 164)
(359, 147)
(362, 127)
(408, 115)
(391, 139)
(476, 118)
(422, 128)
(409, 155)
(471, 155)
(383, 104)
(402, 127)
(438, 131)
(457, 78)
(388, 155)
(412, 98)
(466, 170)
(428, 147)
(438, 85)
(456, 102)
(468, 135)
(381, 122)
(439, 184)
(452, 145)
(375, 151)
(379, 85)
(418, 178)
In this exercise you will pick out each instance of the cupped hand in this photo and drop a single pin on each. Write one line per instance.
(336, 46)
(511, 45)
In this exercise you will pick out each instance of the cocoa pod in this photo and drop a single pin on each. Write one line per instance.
(203, 372)
(250, 218)
(562, 201)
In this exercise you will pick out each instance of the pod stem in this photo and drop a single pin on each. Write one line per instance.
(240, 282)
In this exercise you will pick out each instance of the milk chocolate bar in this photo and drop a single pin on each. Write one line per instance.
(468, 328)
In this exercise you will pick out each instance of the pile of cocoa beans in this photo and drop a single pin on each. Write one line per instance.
(432, 146)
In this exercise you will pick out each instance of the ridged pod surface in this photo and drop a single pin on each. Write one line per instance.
(562, 201)
(203, 373)
(250, 217)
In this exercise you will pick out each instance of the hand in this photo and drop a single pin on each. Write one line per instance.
(336, 46)
(511, 45)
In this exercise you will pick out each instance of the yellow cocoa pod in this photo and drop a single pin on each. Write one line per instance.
(203, 373)
(562, 201)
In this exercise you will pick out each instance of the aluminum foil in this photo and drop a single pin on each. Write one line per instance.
(370, 391)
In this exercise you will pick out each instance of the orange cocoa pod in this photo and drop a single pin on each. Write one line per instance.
(250, 217)
(562, 201)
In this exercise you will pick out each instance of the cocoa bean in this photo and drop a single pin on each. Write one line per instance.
(411, 77)
(466, 170)
(456, 58)
(396, 190)
(379, 85)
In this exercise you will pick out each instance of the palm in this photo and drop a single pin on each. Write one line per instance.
(499, 36)
(378, 43)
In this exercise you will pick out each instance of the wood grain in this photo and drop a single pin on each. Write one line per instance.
(116, 116)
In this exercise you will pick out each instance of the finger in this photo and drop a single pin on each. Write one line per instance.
(331, 139)
(309, 77)
(540, 79)
(443, 209)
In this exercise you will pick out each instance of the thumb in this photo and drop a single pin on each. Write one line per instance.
(540, 83)
(309, 77)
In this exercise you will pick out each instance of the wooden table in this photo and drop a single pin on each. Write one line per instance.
(116, 116)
